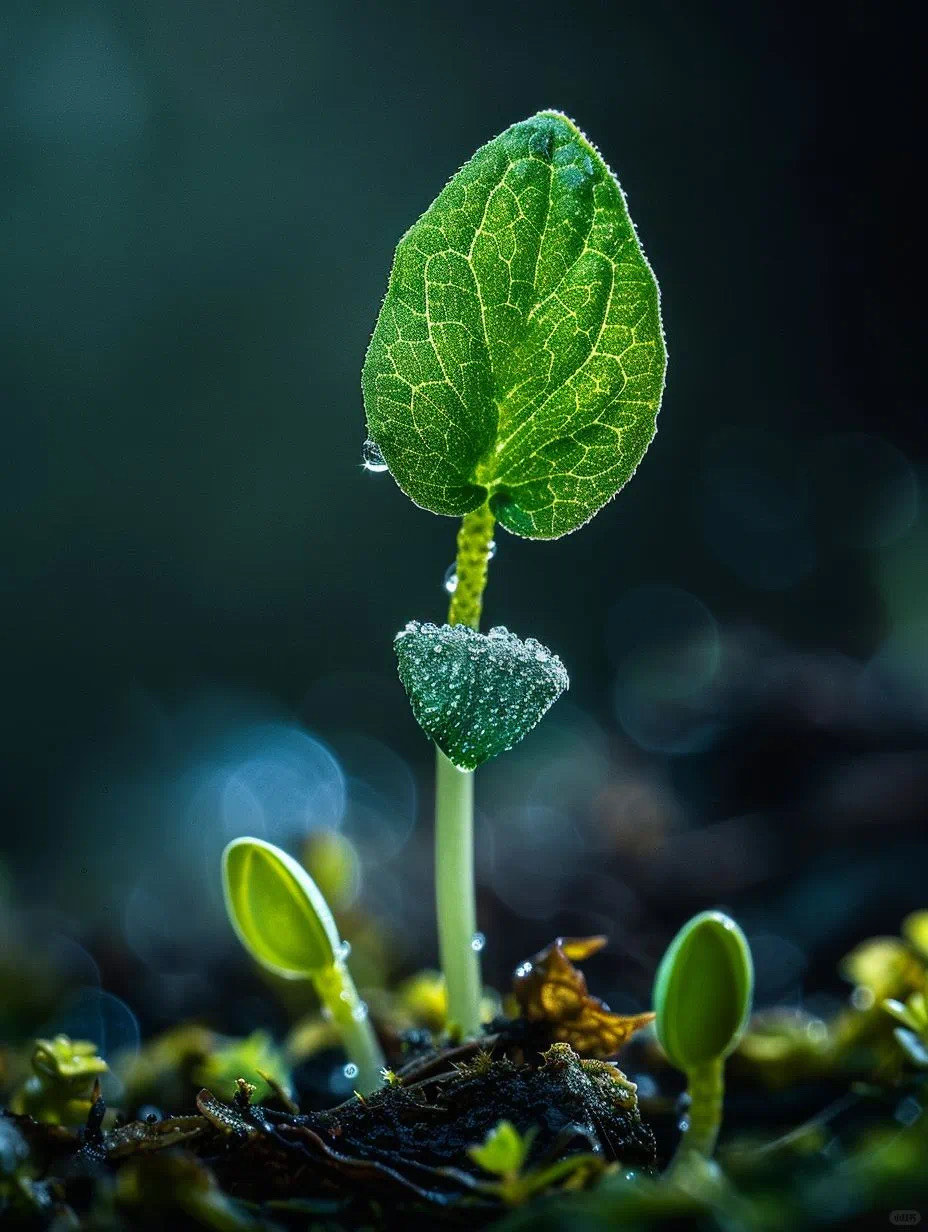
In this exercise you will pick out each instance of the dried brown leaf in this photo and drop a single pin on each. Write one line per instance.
(549, 989)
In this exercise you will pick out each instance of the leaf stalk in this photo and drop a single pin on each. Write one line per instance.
(337, 992)
(705, 1085)
(474, 538)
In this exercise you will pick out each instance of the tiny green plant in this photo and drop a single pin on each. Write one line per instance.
(504, 1154)
(60, 1088)
(283, 921)
(702, 998)
(514, 376)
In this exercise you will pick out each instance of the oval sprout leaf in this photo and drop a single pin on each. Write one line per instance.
(476, 695)
(277, 910)
(703, 991)
(519, 355)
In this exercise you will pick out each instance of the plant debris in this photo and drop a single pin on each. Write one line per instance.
(550, 990)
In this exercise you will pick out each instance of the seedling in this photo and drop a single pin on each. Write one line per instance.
(284, 922)
(60, 1088)
(702, 998)
(514, 376)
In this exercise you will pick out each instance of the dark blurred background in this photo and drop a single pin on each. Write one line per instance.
(200, 583)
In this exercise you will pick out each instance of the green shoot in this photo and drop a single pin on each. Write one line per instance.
(60, 1090)
(283, 921)
(514, 375)
(702, 999)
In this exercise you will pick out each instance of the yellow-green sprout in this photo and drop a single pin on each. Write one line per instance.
(702, 999)
(283, 921)
(60, 1090)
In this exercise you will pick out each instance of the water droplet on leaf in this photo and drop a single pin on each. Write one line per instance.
(350, 1070)
(372, 459)
(451, 579)
(477, 942)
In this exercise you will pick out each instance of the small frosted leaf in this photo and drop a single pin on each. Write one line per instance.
(476, 695)
(519, 356)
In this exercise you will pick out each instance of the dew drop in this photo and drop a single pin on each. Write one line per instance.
(371, 458)
(350, 1070)
(451, 579)
(342, 951)
(491, 549)
(477, 942)
(360, 1012)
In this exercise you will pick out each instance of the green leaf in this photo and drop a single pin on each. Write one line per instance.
(519, 355)
(277, 910)
(703, 991)
(504, 1150)
(476, 695)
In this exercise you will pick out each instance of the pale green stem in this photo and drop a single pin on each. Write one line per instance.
(706, 1089)
(455, 897)
(338, 994)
